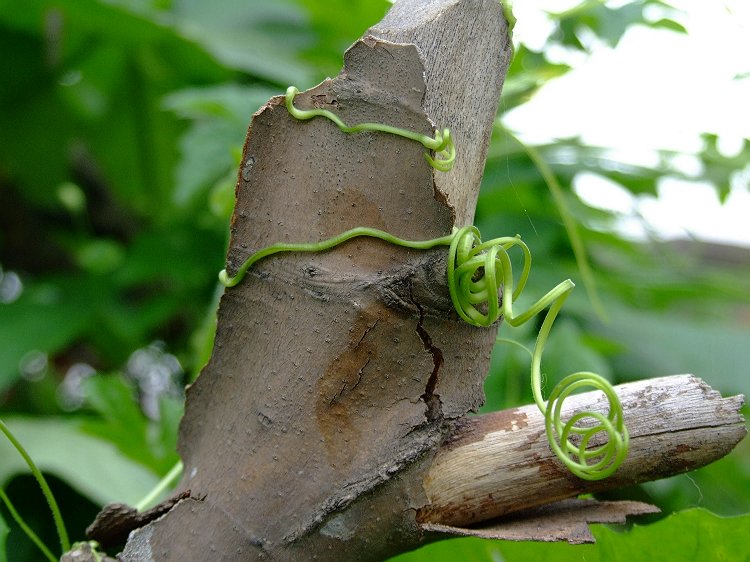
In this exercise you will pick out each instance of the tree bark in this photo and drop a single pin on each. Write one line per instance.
(335, 376)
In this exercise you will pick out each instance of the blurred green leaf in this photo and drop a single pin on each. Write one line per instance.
(720, 169)
(670, 24)
(220, 116)
(333, 35)
(663, 344)
(568, 350)
(255, 36)
(47, 317)
(123, 423)
(465, 550)
(100, 256)
(694, 534)
(608, 23)
(720, 487)
(528, 72)
(90, 465)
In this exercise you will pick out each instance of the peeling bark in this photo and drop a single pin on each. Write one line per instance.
(566, 520)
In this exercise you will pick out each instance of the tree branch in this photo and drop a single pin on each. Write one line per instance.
(501, 463)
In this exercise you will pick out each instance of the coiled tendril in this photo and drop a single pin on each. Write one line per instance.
(477, 272)
(482, 288)
(441, 143)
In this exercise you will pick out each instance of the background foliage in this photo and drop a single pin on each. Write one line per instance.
(121, 123)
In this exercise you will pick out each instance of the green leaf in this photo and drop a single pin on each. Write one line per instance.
(123, 423)
(668, 23)
(609, 24)
(463, 550)
(659, 344)
(220, 116)
(721, 169)
(47, 317)
(692, 535)
(99, 256)
(90, 465)
(333, 35)
(721, 487)
(569, 352)
(256, 36)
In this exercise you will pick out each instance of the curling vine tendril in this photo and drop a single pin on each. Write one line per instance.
(483, 289)
(441, 143)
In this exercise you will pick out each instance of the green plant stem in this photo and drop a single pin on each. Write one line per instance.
(59, 523)
(165, 483)
(477, 271)
(327, 245)
(25, 528)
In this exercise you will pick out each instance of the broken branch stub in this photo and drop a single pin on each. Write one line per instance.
(335, 376)
(500, 463)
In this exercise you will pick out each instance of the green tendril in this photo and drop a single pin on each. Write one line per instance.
(441, 143)
(33, 537)
(327, 245)
(59, 523)
(482, 289)
(479, 271)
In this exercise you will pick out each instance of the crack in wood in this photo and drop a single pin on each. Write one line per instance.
(359, 379)
(430, 398)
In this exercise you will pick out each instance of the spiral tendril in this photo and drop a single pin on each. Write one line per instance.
(441, 143)
(478, 272)
(482, 289)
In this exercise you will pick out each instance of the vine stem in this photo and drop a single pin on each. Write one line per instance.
(163, 484)
(62, 533)
(327, 244)
(441, 143)
(25, 528)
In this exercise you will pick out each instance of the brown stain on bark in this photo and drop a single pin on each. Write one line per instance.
(339, 401)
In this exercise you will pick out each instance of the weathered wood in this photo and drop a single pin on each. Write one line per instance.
(564, 520)
(501, 463)
(335, 376)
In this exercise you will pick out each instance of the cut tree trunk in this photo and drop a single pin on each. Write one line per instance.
(324, 425)
(335, 376)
